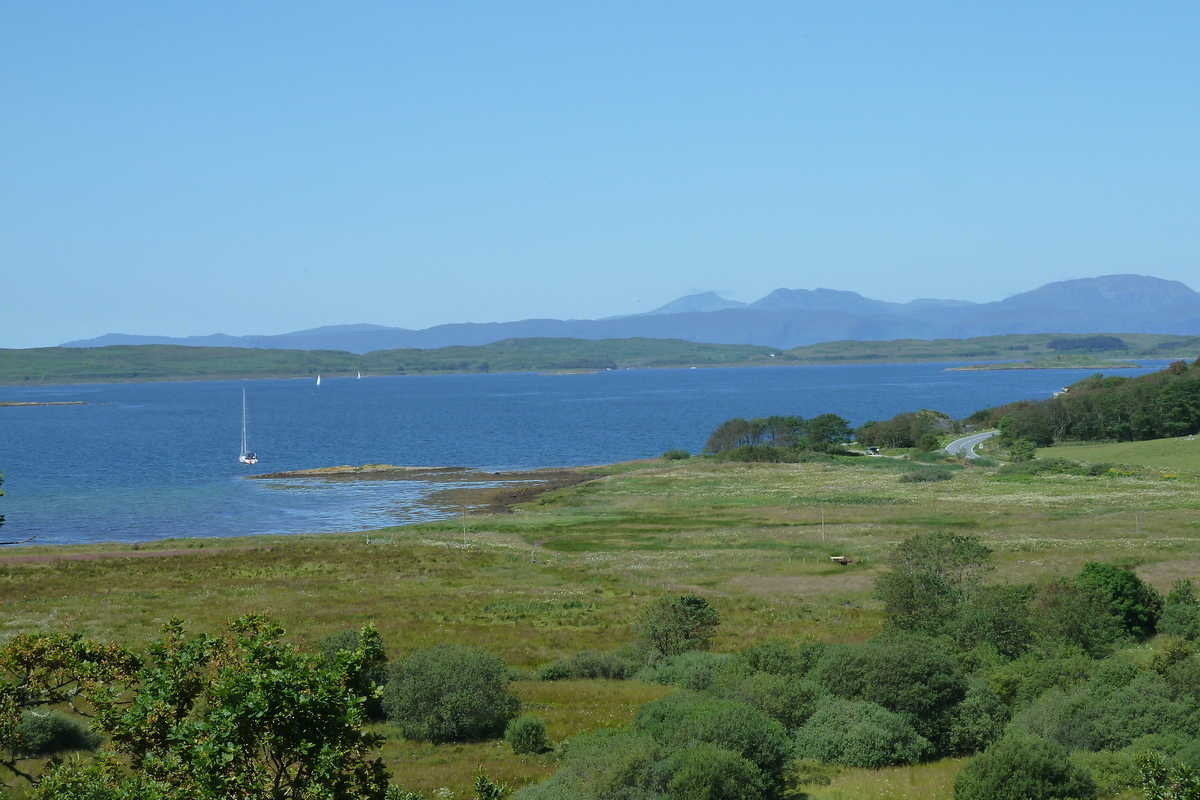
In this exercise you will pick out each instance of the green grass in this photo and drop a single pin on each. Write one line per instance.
(1182, 455)
(573, 569)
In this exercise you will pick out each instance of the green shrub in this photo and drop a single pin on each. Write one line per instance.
(787, 699)
(527, 735)
(1023, 768)
(984, 461)
(859, 734)
(674, 625)
(694, 670)
(1043, 466)
(44, 734)
(759, 453)
(709, 772)
(779, 658)
(977, 721)
(603, 764)
(1135, 603)
(909, 675)
(676, 455)
(1111, 772)
(449, 693)
(591, 664)
(1063, 614)
(1181, 612)
(679, 721)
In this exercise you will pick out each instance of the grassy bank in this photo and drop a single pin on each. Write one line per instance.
(572, 569)
(1170, 454)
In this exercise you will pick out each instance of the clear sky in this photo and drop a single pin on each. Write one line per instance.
(260, 167)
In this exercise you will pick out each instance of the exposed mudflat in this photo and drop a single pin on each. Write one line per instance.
(495, 492)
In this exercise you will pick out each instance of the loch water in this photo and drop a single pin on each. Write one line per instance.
(143, 461)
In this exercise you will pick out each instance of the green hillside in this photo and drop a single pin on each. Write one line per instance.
(1014, 347)
(119, 363)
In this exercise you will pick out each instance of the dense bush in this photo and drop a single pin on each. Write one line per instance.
(859, 734)
(1123, 594)
(47, 733)
(1023, 768)
(693, 670)
(977, 721)
(679, 721)
(603, 764)
(526, 735)
(929, 577)
(1061, 613)
(709, 772)
(676, 454)
(779, 658)
(590, 665)
(449, 693)
(909, 675)
(760, 453)
(674, 625)
(789, 699)
(997, 616)
(1181, 612)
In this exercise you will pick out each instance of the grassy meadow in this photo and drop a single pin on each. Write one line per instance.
(572, 569)
(1181, 454)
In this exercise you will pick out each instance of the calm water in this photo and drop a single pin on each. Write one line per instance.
(154, 460)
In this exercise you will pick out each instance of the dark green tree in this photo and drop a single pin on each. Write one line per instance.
(1119, 589)
(1181, 612)
(1061, 613)
(858, 733)
(929, 577)
(827, 433)
(673, 625)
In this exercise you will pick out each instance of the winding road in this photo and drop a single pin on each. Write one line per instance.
(965, 447)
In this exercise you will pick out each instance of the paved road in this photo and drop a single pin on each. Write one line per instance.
(965, 446)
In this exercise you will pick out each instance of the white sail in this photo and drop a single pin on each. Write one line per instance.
(318, 380)
(246, 456)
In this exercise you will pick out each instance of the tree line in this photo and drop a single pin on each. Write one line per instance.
(1159, 405)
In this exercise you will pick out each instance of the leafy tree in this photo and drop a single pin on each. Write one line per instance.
(373, 676)
(40, 671)
(449, 693)
(1022, 450)
(1163, 783)
(930, 575)
(245, 716)
(674, 625)
(1135, 603)
(1181, 612)
(827, 433)
(789, 699)
(977, 721)
(1063, 613)
(603, 764)
(996, 616)
(1023, 768)
(858, 733)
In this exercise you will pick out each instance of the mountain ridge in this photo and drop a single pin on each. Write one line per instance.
(784, 318)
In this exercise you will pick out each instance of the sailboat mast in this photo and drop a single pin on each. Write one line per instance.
(243, 422)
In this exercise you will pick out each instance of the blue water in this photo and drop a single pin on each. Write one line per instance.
(153, 460)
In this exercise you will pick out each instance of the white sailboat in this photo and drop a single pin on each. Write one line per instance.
(360, 375)
(318, 379)
(246, 457)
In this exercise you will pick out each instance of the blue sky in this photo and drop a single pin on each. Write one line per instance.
(188, 168)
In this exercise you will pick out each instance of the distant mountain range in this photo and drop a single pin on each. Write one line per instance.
(785, 318)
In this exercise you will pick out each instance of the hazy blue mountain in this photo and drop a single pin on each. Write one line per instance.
(788, 318)
(705, 301)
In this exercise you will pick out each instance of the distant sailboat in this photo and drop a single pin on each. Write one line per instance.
(360, 375)
(246, 457)
(318, 380)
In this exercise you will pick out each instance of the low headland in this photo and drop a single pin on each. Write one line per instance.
(141, 363)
